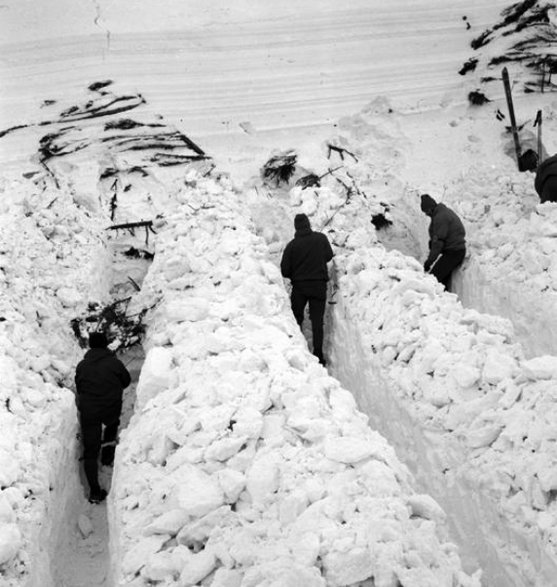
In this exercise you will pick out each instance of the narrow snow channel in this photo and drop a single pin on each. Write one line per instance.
(83, 557)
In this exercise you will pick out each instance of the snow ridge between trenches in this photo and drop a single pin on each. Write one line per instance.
(49, 250)
(245, 464)
(483, 417)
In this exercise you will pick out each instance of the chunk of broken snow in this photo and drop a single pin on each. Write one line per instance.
(223, 449)
(155, 374)
(262, 478)
(548, 479)
(232, 483)
(197, 567)
(170, 522)
(544, 367)
(187, 310)
(6, 511)
(424, 506)
(306, 548)
(69, 296)
(227, 578)
(346, 568)
(9, 468)
(345, 449)
(485, 436)
(135, 558)
(160, 566)
(498, 366)
(10, 542)
(465, 375)
(197, 492)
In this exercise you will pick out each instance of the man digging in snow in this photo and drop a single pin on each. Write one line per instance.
(447, 244)
(100, 380)
(304, 262)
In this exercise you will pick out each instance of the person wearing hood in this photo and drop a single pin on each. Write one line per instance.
(100, 380)
(447, 243)
(304, 262)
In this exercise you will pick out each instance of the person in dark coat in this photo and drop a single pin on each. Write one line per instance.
(304, 262)
(545, 181)
(447, 243)
(100, 379)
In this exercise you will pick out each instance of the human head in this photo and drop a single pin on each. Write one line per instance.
(427, 204)
(301, 221)
(97, 340)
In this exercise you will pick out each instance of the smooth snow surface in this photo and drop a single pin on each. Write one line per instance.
(426, 455)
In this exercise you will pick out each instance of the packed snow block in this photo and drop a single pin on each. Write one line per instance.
(69, 296)
(424, 506)
(196, 492)
(155, 374)
(346, 568)
(262, 479)
(10, 542)
(350, 450)
(136, 557)
(498, 366)
(544, 367)
(192, 310)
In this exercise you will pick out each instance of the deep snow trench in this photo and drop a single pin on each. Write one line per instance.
(82, 556)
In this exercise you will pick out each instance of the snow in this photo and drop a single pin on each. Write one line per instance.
(426, 454)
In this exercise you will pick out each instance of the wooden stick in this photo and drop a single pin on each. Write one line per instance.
(508, 93)
(538, 123)
(147, 223)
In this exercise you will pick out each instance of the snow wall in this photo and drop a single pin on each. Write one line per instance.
(50, 250)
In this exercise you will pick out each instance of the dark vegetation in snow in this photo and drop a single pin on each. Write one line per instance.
(123, 330)
(380, 220)
(279, 168)
(525, 36)
(309, 181)
(470, 65)
(477, 98)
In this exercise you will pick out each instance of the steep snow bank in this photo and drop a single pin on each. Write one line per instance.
(50, 258)
(245, 463)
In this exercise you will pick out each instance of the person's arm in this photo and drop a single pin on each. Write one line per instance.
(329, 254)
(123, 374)
(439, 231)
(76, 380)
(286, 263)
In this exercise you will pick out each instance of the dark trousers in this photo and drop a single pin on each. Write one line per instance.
(93, 437)
(314, 293)
(446, 264)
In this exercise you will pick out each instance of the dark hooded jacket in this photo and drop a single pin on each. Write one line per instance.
(547, 169)
(446, 233)
(305, 257)
(100, 379)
